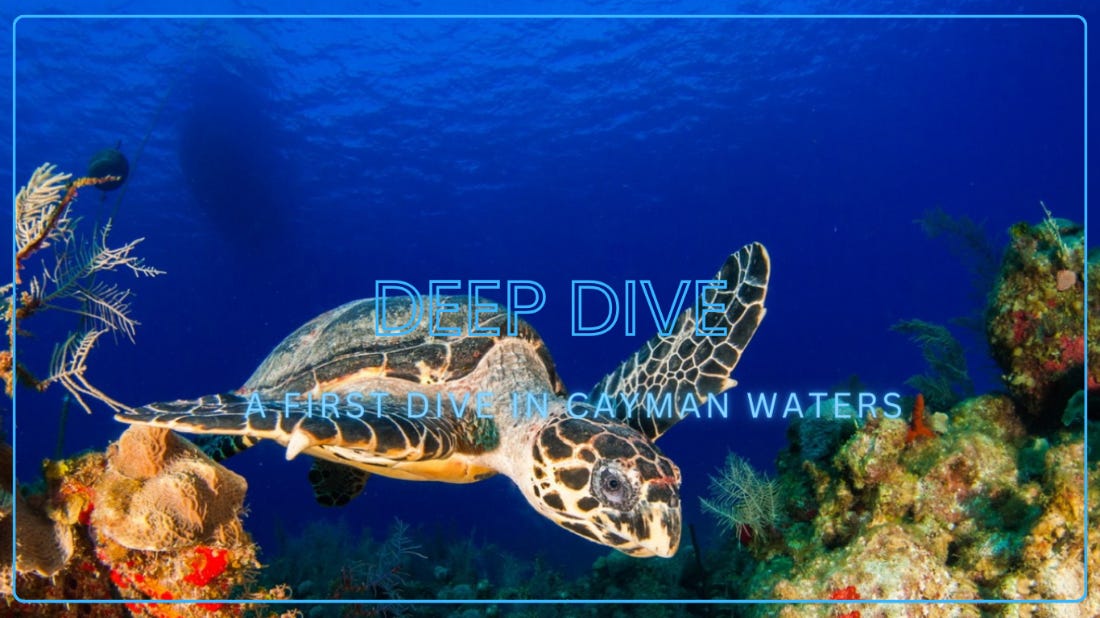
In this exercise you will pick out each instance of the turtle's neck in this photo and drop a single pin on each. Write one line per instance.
(512, 368)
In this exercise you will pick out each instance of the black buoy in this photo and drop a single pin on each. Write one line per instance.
(109, 162)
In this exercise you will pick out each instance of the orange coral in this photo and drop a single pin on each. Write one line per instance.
(917, 428)
(208, 564)
(844, 594)
(850, 593)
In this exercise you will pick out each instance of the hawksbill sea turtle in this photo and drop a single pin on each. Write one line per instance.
(598, 476)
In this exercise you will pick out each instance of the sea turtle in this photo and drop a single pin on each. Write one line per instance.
(597, 475)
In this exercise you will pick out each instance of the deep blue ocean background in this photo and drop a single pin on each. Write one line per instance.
(281, 166)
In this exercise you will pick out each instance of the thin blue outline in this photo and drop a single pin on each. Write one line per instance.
(570, 602)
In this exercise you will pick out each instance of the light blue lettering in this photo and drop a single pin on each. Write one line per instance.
(515, 308)
(762, 404)
(437, 307)
(255, 402)
(817, 401)
(290, 401)
(579, 287)
(572, 403)
(423, 399)
(356, 408)
(380, 292)
(378, 397)
(539, 404)
(477, 308)
(483, 401)
(629, 403)
(664, 320)
(867, 402)
(330, 405)
(691, 405)
(655, 409)
(459, 409)
(604, 405)
(703, 307)
(793, 406)
(892, 402)
(720, 403)
(839, 404)
(629, 301)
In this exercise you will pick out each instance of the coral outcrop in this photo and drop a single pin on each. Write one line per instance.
(152, 519)
(982, 511)
(984, 502)
(1035, 318)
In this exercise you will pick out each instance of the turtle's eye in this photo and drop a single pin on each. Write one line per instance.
(612, 488)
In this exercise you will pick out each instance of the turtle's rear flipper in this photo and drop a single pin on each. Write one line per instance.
(335, 484)
(670, 368)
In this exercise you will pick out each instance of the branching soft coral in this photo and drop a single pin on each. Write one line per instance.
(44, 220)
(744, 502)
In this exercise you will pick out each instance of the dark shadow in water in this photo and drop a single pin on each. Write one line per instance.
(232, 153)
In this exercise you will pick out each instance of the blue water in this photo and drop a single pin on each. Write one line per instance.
(281, 166)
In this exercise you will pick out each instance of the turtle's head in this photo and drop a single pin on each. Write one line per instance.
(607, 483)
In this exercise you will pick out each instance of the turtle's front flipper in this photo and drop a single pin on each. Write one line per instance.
(684, 364)
(220, 448)
(216, 443)
(225, 414)
(381, 436)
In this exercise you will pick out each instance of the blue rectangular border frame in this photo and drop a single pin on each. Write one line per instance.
(569, 17)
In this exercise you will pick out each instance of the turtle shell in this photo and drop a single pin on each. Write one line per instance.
(340, 347)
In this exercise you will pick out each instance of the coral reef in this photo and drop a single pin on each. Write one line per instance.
(70, 283)
(1035, 317)
(956, 516)
(984, 502)
(152, 519)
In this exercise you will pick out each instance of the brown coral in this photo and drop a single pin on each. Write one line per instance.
(41, 546)
(161, 492)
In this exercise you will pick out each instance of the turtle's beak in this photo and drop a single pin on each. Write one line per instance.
(653, 529)
(662, 525)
